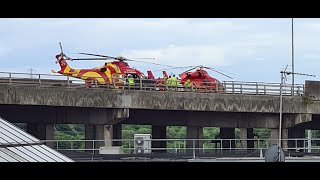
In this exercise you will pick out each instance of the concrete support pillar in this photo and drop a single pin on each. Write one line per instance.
(284, 144)
(159, 132)
(227, 133)
(194, 132)
(275, 137)
(250, 135)
(294, 133)
(42, 132)
(117, 134)
(103, 133)
(89, 135)
(247, 133)
(94, 132)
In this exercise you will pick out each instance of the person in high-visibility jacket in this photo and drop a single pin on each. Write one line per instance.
(168, 81)
(131, 81)
(174, 81)
(187, 85)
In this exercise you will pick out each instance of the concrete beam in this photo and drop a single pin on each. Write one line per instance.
(215, 119)
(63, 115)
(290, 120)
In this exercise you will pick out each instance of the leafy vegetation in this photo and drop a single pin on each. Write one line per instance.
(69, 132)
(76, 132)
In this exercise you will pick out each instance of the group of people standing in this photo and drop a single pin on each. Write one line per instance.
(171, 82)
(174, 82)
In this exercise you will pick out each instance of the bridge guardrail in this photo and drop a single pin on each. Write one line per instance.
(229, 87)
(194, 146)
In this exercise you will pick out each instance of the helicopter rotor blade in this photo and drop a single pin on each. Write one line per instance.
(173, 68)
(125, 59)
(109, 57)
(145, 58)
(190, 69)
(148, 62)
(61, 47)
(218, 72)
(85, 59)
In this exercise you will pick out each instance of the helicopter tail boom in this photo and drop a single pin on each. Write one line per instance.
(65, 68)
(150, 75)
(165, 75)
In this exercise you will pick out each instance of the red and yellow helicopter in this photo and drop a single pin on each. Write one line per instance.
(110, 72)
(199, 79)
(116, 70)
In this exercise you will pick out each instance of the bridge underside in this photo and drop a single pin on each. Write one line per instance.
(103, 116)
(103, 123)
(80, 115)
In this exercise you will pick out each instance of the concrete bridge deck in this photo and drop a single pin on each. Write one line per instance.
(99, 109)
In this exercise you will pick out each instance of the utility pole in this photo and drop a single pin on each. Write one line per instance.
(31, 72)
(283, 77)
(292, 56)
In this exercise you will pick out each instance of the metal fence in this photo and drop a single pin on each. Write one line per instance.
(183, 146)
(230, 87)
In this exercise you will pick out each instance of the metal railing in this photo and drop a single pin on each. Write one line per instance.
(183, 146)
(230, 87)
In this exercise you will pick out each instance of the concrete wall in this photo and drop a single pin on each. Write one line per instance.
(136, 99)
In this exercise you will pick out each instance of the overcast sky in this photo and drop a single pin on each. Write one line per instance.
(247, 49)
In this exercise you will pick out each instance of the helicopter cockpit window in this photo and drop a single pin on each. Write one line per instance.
(104, 69)
(199, 74)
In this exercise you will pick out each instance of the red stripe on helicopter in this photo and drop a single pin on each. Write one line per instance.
(112, 70)
(71, 71)
(84, 71)
(104, 76)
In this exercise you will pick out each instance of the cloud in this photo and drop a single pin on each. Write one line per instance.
(218, 54)
(231, 44)
(183, 55)
(4, 50)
